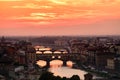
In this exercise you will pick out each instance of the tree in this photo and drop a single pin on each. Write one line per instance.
(64, 78)
(75, 77)
(46, 76)
(49, 76)
(57, 78)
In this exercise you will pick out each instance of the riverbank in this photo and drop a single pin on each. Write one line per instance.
(104, 74)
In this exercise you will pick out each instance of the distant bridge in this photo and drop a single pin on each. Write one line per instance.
(75, 57)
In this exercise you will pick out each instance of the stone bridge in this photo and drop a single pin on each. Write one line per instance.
(75, 57)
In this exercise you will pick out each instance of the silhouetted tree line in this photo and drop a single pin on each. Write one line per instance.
(49, 76)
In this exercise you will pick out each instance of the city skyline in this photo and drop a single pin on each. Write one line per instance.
(59, 17)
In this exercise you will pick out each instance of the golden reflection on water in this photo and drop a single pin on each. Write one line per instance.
(69, 63)
(54, 63)
(57, 68)
(67, 72)
(41, 63)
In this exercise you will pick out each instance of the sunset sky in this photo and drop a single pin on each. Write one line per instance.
(59, 17)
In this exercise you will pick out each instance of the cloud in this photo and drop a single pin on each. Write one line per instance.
(58, 2)
(66, 10)
(32, 6)
(36, 16)
(11, 0)
(45, 15)
(40, 23)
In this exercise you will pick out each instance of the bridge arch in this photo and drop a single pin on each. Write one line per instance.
(51, 52)
(64, 57)
(41, 63)
(69, 63)
(57, 52)
(56, 63)
(47, 52)
(38, 52)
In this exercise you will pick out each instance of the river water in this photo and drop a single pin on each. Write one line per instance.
(59, 70)
(67, 72)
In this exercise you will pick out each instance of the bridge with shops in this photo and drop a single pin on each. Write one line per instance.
(75, 57)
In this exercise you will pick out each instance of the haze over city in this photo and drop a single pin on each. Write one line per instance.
(59, 17)
(59, 39)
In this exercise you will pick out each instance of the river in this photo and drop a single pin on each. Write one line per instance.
(59, 70)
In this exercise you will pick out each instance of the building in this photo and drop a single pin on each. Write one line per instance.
(31, 55)
(61, 42)
(21, 57)
(102, 59)
(78, 47)
(110, 64)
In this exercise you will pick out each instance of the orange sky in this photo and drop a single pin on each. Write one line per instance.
(59, 17)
